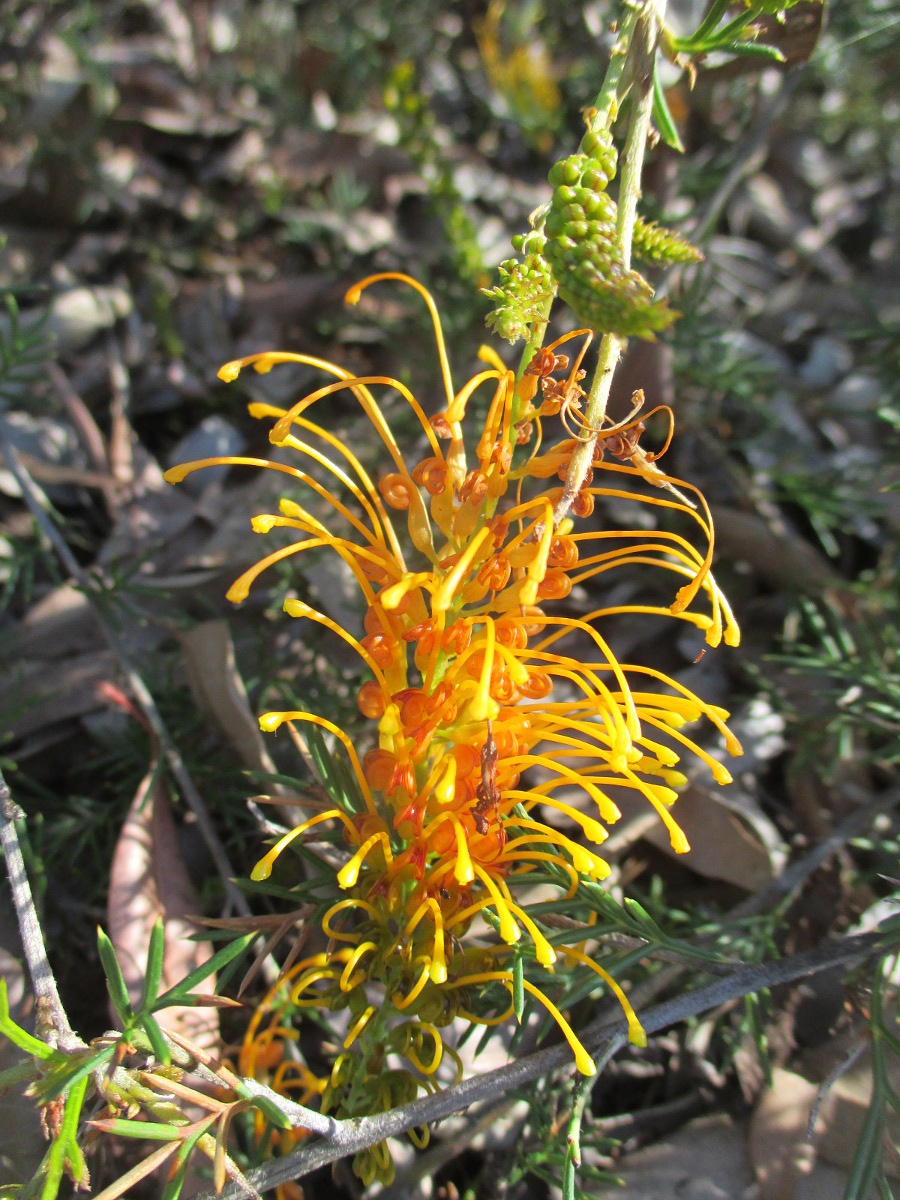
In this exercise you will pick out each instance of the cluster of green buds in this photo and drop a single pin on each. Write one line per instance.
(575, 250)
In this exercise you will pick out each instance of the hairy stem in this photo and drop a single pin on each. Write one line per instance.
(642, 47)
(601, 115)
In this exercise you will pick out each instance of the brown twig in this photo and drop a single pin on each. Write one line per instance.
(52, 1021)
(602, 1039)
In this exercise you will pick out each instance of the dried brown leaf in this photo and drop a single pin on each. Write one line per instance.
(219, 691)
(149, 881)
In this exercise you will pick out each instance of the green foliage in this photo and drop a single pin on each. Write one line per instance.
(554, 1137)
(852, 665)
(867, 1176)
(720, 32)
(24, 349)
(421, 138)
(64, 1082)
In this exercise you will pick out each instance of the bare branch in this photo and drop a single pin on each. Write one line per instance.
(602, 1038)
(52, 1021)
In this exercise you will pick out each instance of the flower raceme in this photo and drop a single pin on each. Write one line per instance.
(505, 726)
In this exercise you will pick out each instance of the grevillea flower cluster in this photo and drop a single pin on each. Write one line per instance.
(503, 726)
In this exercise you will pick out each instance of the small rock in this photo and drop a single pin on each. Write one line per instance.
(828, 359)
(857, 393)
(49, 440)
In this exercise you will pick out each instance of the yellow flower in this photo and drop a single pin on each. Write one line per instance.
(491, 710)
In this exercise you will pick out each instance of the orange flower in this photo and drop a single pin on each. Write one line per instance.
(490, 710)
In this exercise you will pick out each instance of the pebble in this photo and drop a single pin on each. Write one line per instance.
(828, 359)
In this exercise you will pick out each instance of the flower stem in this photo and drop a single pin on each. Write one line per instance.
(601, 115)
(641, 54)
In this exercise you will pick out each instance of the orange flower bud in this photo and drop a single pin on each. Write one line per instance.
(563, 553)
(474, 488)
(582, 505)
(432, 474)
(382, 649)
(495, 573)
(378, 768)
(395, 490)
(370, 699)
(537, 685)
(554, 586)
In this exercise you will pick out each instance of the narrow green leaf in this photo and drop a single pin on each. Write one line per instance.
(486, 1036)
(709, 22)
(662, 116)
(160, 1046)
(115, 981)
(173, 1189)
(153, 1131)
(66, 1080)
(638, 911)
(175, 994)
(754, 50)
(16, 1034)
(269, 1110)
(13, 1075)
(153, 973)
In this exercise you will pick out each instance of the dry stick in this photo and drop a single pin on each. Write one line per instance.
(602, 1038)
(797, 873)
(612, 345)
(52, 1022)
(38, 505)
(483, 1120)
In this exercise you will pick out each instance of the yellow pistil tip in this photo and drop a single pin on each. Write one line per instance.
(230, 372)
(732, 745)
(509, 930)
(349, 873)
(263, 868)
(269, 722)
(483, 707)
(636, 1034)
(238, 592)
(297, 608)
(678, 841)
(583, 1061)
(437, 972)
(176, 474)
(445, 788)
(544, 953)
(264, 523)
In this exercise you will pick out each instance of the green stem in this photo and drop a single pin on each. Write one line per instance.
(609, 98)
(583, 1089)
(603, 112)
(642, 47)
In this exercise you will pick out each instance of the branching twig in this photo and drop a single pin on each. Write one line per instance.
(602, 1039)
